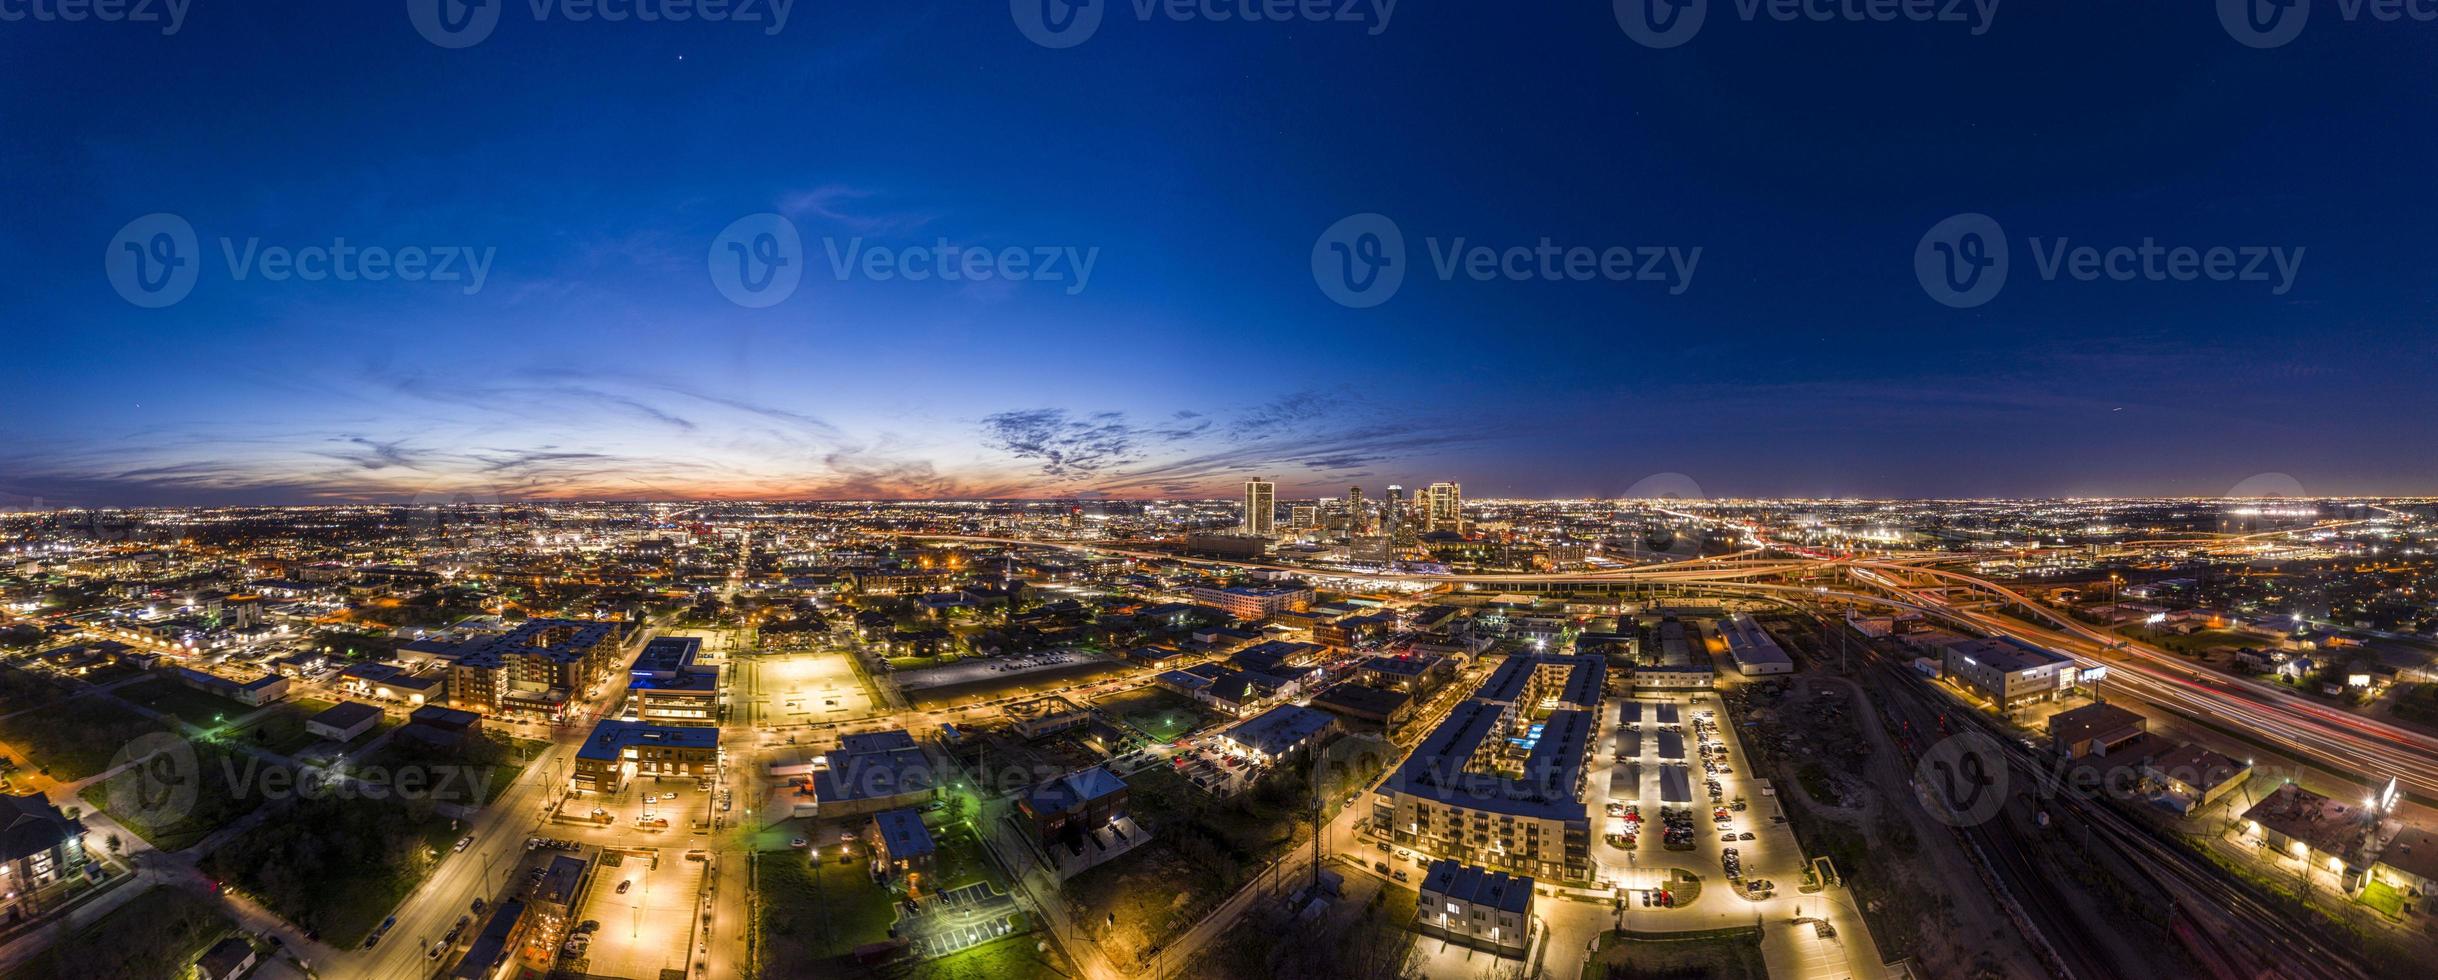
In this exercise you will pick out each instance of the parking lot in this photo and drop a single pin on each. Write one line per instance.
(671, 805)
(648, 912)
(1215, 770)
(800, 688)
(1698, 811)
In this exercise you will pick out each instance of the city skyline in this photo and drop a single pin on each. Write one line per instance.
(577, 348)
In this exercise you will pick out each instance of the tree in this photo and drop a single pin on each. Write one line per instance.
(113, 842)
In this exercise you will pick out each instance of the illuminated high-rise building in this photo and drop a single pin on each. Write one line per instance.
(1260, 507)
(1391, 507)
(1303, 517)
(1354, 511)
(1443, 507)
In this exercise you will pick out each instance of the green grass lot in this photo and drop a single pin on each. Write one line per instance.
(2379, 895)
(75, 738)
(1014, 958)
(282, 728)
(228, 785)
(496, 760)
(159, 933)
(1724, 954)
(1163, 715)
(336, 865)
(189, 705)
(813, 918)
(961, 861)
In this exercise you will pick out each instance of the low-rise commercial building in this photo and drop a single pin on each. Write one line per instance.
(1364, 706)
(1756, 654)
(1279, 732)
(2093, 729)
(1074, 804)
(262, 690)
(618, 751)
(2325, 835)
(2010, 672)
(871, 772)
(2190, 778)
(343, 721)
(1043, 717)
(901, 846)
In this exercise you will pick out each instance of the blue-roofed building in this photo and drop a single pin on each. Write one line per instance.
(901, 846)
(618, 751)
(1074, 804)
(873, 771)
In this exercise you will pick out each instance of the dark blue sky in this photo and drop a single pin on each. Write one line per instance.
(598, 165)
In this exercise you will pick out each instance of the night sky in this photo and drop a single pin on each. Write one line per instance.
(599, 166)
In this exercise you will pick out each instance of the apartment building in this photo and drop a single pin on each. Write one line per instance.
(1484, 909)
(1499, 783)
(536, 667)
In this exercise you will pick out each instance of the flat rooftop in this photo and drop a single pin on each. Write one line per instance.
(1279, 729)
(610, 739)
(2007, 654)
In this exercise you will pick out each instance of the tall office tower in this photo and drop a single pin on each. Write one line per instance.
(1303, 517)
(1354, 511)
(1443, 507)
(1260, 507)
(1390, 506)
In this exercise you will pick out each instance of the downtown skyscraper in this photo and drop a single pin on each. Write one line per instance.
(1260, 507)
